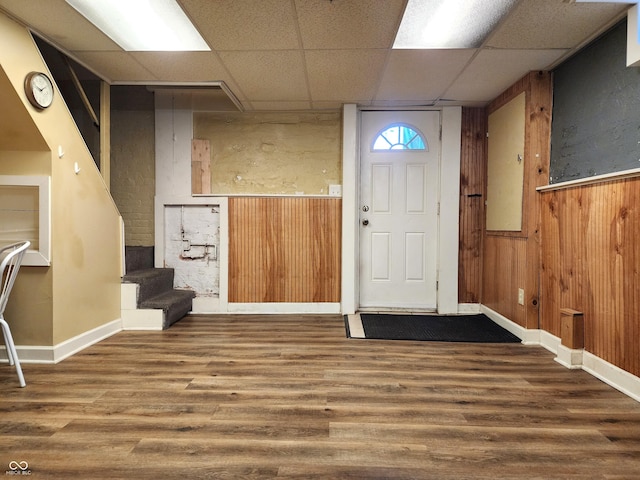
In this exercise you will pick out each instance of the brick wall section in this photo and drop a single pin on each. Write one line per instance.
(133, 172)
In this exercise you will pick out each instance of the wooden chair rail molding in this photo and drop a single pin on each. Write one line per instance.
(606, 177)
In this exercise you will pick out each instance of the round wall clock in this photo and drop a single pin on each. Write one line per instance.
(39, 90)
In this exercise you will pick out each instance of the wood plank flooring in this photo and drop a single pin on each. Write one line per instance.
(289, 397)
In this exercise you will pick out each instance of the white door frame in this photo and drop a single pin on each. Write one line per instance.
(447, 296)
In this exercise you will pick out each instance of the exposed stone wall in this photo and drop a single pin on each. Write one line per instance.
(272, 153)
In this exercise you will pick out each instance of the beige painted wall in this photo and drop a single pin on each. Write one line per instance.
(81, 289)
(133, 162)
(505, 166)
(34, 284)
(272, 153)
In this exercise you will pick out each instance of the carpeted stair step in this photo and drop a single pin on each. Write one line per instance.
(138, 258)
(174, 303)
(152, 282)
(154, 289)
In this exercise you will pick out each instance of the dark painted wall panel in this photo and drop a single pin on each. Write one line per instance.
(596, 111)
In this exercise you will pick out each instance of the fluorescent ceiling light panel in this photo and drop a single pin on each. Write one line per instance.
(449, 23)
(143, 25)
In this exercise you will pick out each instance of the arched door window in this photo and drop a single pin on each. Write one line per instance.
(399, 136)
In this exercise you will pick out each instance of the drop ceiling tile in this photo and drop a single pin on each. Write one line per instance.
(421, 102)
(342, 24)
(268, 75)
(468, 103)
(493, 70)
(115, 67)
(280, 106)
(244, 24)
(420, 74)
(542, 24)
(59, 23)
(344, 75)
(211, 98)
(183, 66)
(347, 57)
(327, 105)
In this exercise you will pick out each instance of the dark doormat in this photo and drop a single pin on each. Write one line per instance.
(437, 328)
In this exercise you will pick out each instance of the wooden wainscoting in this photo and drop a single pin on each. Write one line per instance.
(591, 263)
(504, 271)
(472, 196)
(284, 249)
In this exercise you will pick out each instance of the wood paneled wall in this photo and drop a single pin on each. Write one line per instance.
(511, 259)
(504, 272)
(591, 263)
(472, 196)
(284, 249)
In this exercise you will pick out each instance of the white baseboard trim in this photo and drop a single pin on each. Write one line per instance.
(80, 342)
(57, 353)
(299, 308)
(142, 319)
(205, 305)
(469, 308)
(610, 374)
(613, 376)
(30, 354)
(549, 341)
(505, 323)
(570, 357)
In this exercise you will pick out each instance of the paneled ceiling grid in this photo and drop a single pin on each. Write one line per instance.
(319, 54)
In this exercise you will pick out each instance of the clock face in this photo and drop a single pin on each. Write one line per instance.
(39, 90)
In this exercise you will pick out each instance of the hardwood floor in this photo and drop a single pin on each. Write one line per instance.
(289, 397)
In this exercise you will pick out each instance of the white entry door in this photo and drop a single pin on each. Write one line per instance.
(400, 159)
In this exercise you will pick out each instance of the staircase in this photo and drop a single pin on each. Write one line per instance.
(149, 301)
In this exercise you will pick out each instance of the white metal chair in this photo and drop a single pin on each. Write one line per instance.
(11, 256)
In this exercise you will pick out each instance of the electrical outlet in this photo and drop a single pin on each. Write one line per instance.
(521, 296)
(335, 190)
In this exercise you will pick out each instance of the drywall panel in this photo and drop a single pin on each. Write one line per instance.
(271, 153)
(596, 111)
(505, 171)
(85, 224)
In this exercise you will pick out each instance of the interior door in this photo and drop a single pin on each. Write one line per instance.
(399, 210)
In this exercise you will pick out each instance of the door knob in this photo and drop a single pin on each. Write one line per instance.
(365, 222)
